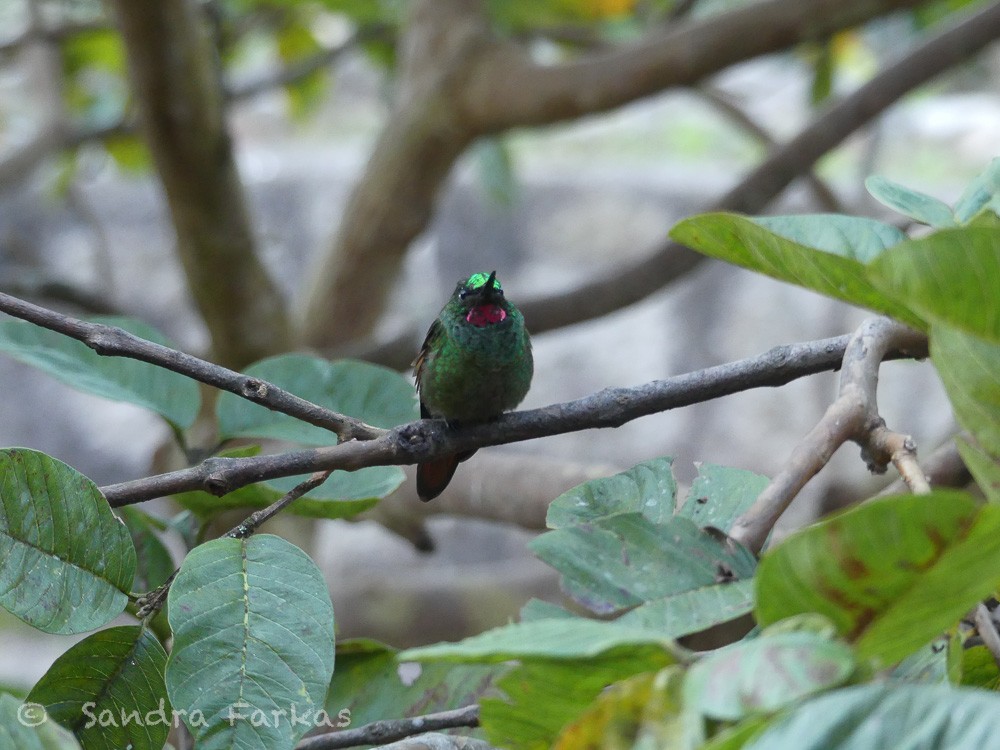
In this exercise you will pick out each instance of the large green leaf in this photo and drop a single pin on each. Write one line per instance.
(542, 696)
(720, 494)
(559, 638)
(26, 726)
(372, 684)
(951, 276)
(68, 562)
(694, 610)
(648, 488)
(253, 643)
(919, 206)
(624, 560)
(108, 689)
(173, 396)
(891, 574)
(823, 253)
(969, 367)
(372, 393)
(901, 717)
(643, 711)
(765, 674)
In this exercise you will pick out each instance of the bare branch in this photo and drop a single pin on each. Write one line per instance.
(852, 416)
(110, 341)
(901, 451)
(390, 730)
(944, 467)
(171, 64)
(425, 439)
(258, 518)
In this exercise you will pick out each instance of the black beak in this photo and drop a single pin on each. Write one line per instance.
(489, 288)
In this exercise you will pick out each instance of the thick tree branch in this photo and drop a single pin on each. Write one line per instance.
(172, 65)
(110, 341)
(390, 730)
(511, 90)
(425, 439)
(466, 83)
(852, 416)
(839, 120)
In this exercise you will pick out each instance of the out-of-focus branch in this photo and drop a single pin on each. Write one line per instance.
(423, 440)
(390, 730)
(466, 83)
(172, 66)
(839, 120)
(669, 261)
(852, 416)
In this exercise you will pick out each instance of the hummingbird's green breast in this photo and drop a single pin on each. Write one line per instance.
(476, 362)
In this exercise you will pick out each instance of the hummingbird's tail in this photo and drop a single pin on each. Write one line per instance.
(433, 476)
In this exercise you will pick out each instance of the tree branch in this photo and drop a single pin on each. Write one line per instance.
(420, 441)
(390, 730)
(511, 90)
(839, 120)
(172, 65)
(109, 341)
(852, 416)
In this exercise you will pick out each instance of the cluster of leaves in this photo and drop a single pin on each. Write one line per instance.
(858, 617)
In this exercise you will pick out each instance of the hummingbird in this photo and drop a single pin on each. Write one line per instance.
(474, 365)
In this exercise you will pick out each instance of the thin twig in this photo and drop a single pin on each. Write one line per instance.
(902, 453)
(943, 467)
(852, 416)
(988, 631)
(390, 730)
(422, 440)
(110, 341)
(258, 518)
(152, 602)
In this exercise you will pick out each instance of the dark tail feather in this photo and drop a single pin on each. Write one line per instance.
(433, 476)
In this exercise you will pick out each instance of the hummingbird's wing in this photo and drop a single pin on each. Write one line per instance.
(434, 333)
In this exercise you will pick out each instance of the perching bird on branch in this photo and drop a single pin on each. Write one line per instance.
(474, 365)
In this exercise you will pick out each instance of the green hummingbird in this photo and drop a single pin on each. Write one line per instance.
(474, 365)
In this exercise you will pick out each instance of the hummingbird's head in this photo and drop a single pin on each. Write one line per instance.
(481, 298)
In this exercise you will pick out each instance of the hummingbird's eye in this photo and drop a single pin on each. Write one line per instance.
(463, 294)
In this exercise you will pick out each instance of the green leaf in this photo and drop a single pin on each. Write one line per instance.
(375, 394)
(543, 696)
(643, 711)
(891, 574)
(765, 674)
(129, 152)
(253, 643)
(173, 396)
(648, 488)
(823, 66)
(719, 495)
(984, 467)
(937, 663)
(950, 277)
(559, 638)
(68, 561)
(912, 203)
(824, 253)
(295, 44)
(154, 564)
(108, 690)
(982, 193)
(969, 367)
(624, 560)
(25, 726)
(979, 669)
(693, 611)
(536, 609)
(372, 684)
(901, 717)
